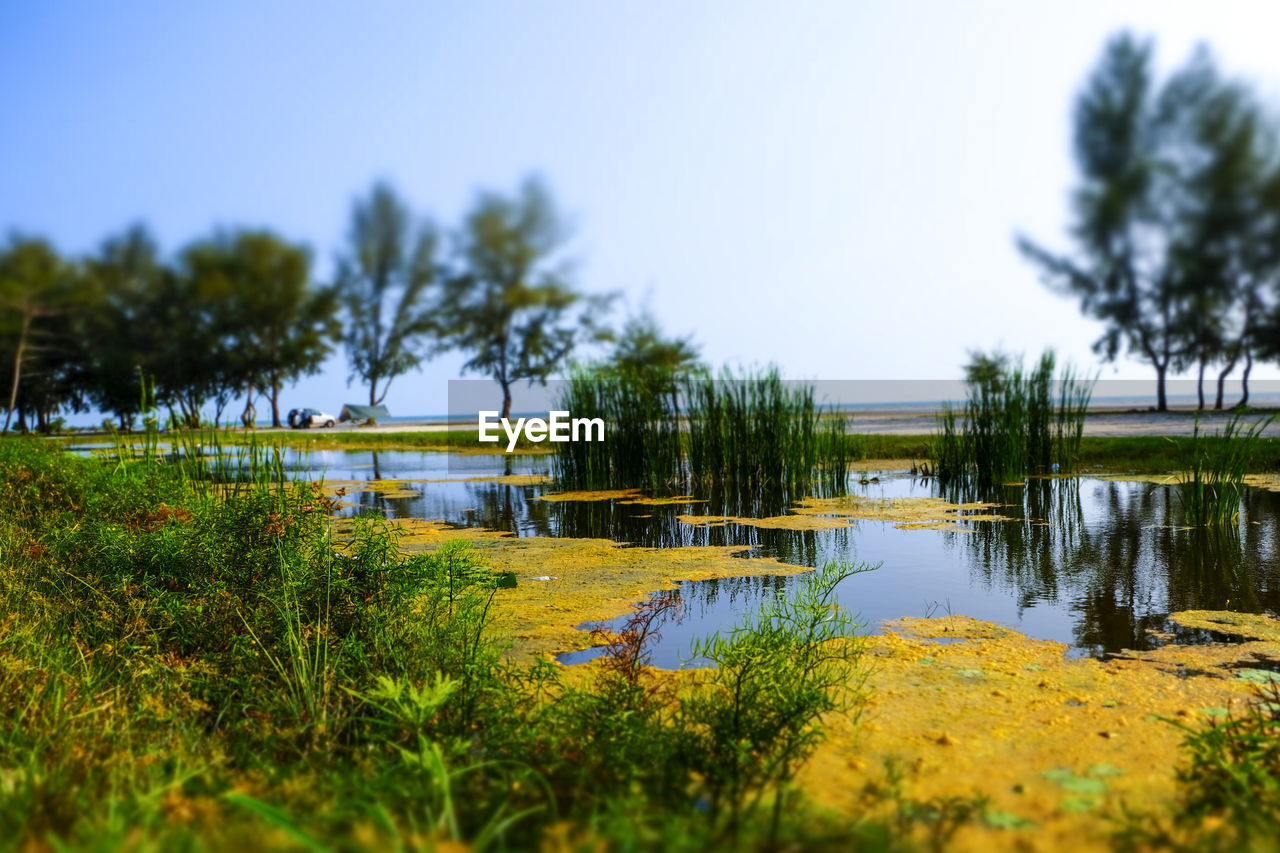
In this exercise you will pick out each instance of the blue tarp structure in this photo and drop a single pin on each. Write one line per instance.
(352, 412)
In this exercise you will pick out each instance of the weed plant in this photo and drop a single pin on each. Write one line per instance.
(1014, 423)
(1229, 785)
(752, 431)
(1212, 483)
(758, 717)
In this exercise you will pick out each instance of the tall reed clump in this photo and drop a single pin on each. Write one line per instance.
(1212, 485)
(641, 446)
(1014, 423)
(750, 430)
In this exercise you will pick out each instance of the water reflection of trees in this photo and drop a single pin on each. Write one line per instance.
(1129, 565)
(1110, 553)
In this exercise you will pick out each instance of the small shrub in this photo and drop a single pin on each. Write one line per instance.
(748, 729)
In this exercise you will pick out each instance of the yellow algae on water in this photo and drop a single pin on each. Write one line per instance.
(1011, 719)
(1255, 626)
(828, 513)
(1270, 482)
(672, 501)
(777, 522)
(596, 495)
(592, 580)
(401, 488)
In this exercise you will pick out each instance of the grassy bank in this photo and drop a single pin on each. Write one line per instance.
(1137, 454)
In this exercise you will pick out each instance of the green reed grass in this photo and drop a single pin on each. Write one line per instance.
(1014, 422)
(1212, 484)
(750, 429)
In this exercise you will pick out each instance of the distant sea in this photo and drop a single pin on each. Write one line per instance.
(1265, 399)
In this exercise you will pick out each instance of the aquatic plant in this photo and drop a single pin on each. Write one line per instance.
(641, 448)
(752, 430)
(1013, 423)
(1212, 484)
(1232, 778)
(747, 732)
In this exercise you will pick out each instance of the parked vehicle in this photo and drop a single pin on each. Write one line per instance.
(307, 418)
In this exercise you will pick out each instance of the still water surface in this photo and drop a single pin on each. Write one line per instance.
(1091, 563)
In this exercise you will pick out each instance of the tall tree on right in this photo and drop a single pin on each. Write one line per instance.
(383, 286)
(1168, 175)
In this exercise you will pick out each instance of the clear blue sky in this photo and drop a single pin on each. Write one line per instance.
(832, 186)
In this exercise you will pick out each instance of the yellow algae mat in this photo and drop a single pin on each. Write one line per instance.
(824, 513)
(589, 580)
(1059, 749)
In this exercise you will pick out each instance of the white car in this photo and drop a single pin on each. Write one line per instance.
(305, 418)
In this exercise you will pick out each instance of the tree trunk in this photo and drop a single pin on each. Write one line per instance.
(506, 399)
(250, 413)
(1244, 378)
(1222, 380)
(1200, 386)
(1162, 402)
(17, 369)
(275, 401)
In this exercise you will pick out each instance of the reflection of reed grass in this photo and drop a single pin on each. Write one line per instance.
(1013, 425)
(1213, 484)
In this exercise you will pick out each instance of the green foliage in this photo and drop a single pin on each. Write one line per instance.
(37, 349)
(275, 326)
(641, 446)
(1232, 774)
(187, 660)
(1212, 484)
(510, 307)
(750, 432)
(642, 350)
(758, 717)
(383, 284)
(1014, 423)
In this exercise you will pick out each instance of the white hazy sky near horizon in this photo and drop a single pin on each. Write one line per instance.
(834, 187)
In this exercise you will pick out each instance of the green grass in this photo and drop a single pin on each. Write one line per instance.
(186, 665)
(749, 431)
(1013, 423)
(1212, 482)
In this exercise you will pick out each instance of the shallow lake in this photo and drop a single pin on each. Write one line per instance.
(1092, 563)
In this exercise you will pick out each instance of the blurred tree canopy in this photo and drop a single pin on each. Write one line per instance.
(37, 291)
(1174, 218)
(510, 305)
(270, 325)
(383, 284)
(239, 314)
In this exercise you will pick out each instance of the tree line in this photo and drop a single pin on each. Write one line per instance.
(239, 315)
(1175, 218)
